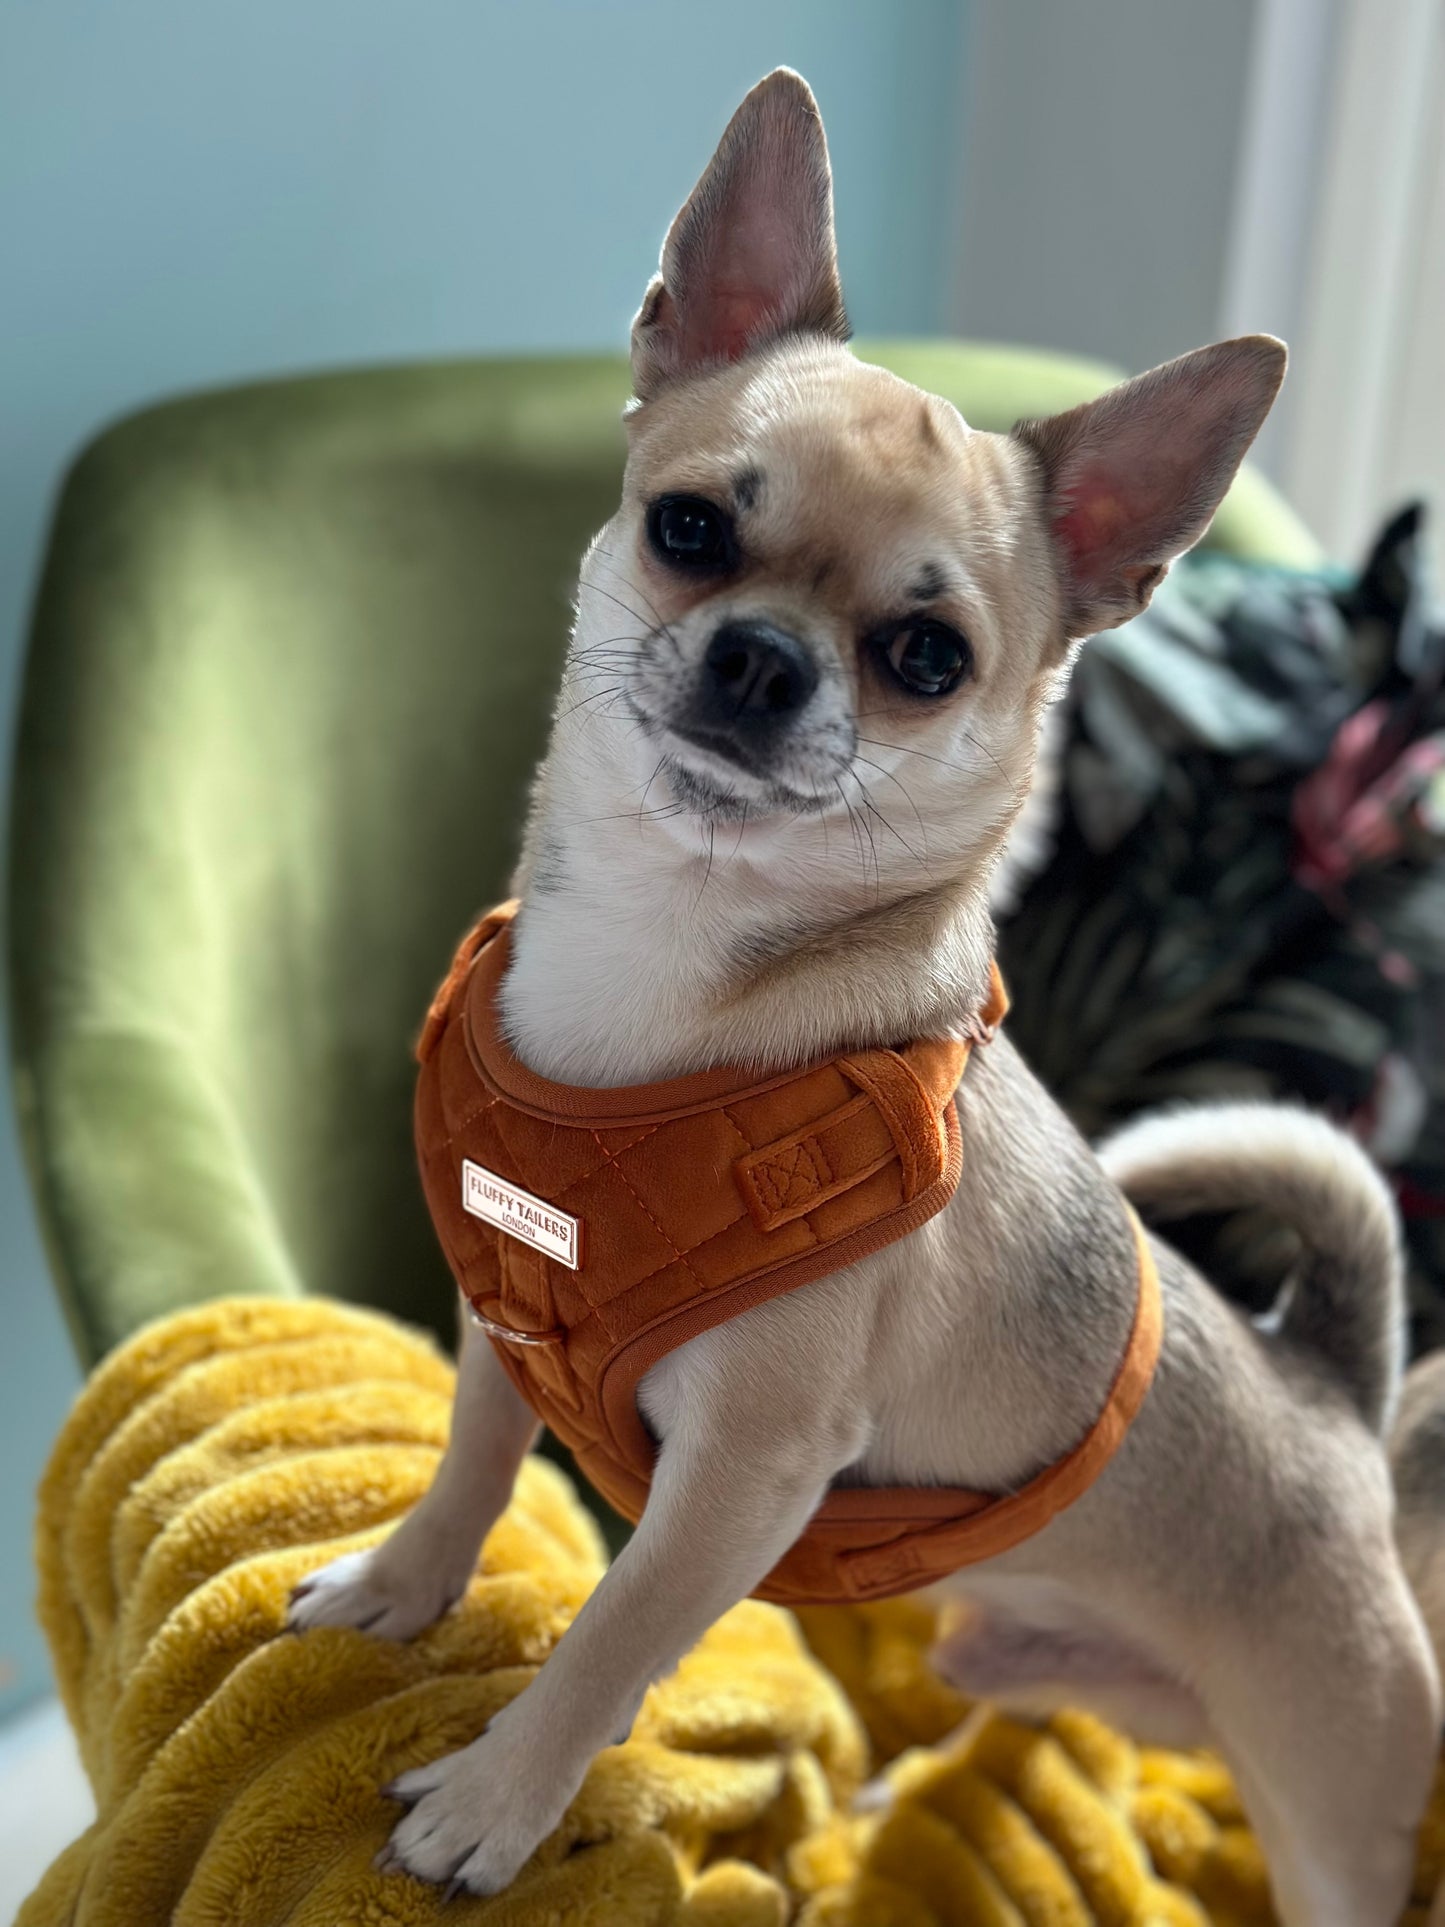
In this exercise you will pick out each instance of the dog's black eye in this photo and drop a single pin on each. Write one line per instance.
(691, 533)
(927, 657)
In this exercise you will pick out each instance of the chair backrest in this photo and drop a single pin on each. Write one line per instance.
(290, 670)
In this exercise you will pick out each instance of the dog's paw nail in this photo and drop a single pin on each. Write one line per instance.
(386, 1861)
(413, 1785)
(456, 1885)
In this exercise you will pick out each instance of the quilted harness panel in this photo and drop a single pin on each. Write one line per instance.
(593, 1231)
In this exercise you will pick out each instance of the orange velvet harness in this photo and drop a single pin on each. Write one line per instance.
(638, 1217)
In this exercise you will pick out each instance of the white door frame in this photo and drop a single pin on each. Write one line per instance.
(1338, 242)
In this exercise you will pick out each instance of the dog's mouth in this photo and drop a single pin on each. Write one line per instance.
(716, 743)
(705, 794)
(712, 776)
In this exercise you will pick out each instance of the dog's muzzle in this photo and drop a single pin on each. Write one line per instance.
(751, 687)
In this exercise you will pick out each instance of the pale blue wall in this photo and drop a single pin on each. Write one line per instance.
(193, 191)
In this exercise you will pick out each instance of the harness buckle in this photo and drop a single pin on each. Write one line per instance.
(508, 1333)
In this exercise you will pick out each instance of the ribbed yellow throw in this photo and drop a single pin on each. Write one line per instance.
(221, 1454)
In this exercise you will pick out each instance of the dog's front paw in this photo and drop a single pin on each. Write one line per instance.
(388, 1597)
(476, 1816)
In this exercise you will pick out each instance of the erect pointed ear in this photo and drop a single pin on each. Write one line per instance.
(1133, 479)
(752, 255)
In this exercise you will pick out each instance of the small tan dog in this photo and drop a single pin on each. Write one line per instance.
(812, 656)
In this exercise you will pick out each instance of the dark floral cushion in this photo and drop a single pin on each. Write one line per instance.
(1238, 876)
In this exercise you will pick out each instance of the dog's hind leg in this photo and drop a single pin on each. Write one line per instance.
(398, 1588)
(1032, 1669)
(1326, 1706)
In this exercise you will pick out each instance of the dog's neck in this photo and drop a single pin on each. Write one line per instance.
(642, 952)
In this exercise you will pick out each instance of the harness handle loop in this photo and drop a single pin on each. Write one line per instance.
(891, 1117)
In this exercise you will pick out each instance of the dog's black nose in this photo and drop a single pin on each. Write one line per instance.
(754, 675)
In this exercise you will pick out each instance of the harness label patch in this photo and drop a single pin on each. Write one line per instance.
(519, 1214)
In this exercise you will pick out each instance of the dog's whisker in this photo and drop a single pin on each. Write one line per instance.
(661, 628)
(945, 762)
(858, 827)
(1020, 792)
(659, 815)
(597, 696)
(864, 831)
(707, 873)
(607, 557)
(871, 806)
(593, 666)
(867, 829)
(928, 755)
(591, 660)
(822, 814)
(642, 806)
(837, 784)
(742, 825)
(609, 642)
(906, 793)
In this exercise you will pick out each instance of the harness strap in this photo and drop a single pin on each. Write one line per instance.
(1000, 1524)
(793, 1175)
(805, 1168)
(440, 1008)
(786, 1179)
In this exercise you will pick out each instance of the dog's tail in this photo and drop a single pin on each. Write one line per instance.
(1346, 1304)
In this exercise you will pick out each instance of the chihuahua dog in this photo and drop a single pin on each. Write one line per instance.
(813, 653)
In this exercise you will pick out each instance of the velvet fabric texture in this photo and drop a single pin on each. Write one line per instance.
(226, 1451)
(289, 673)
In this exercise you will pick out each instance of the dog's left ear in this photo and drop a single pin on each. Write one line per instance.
(751, 256)
(1132, 480)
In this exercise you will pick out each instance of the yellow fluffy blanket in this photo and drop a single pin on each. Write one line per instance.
(223, 1453)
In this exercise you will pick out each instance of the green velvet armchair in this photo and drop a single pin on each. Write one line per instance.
(289, 671)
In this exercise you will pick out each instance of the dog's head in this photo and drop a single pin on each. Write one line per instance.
(824, 594)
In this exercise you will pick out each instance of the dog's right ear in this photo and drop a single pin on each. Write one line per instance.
(751, 256)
